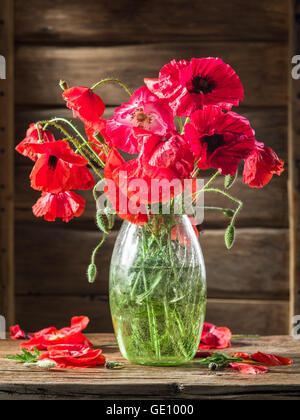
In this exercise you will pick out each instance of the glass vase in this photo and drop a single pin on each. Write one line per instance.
(158, 291)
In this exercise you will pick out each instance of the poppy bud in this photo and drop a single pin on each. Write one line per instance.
(103, 222)
(229, 213)
(230, 236)
(111, 218)
(92, 273)
(63, 85)
(46, 364)
(230, 180)
(213, 367)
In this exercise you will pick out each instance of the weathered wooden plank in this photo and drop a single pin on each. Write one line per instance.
(270, 124)
(263, 208)
(52, 260)
(147, 383)
(294, 180)
(134, 22)
(7, 162)
(261, 66)
(243, 317)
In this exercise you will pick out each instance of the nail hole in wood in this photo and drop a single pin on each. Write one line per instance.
(1, 94)
(2, 129)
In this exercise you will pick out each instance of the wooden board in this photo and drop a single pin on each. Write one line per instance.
(242, 316)
(7, 164)
(261, 66)
(151, 383)
(59, 256)
(99, 22)
(294, 172)
(270, 124)
(262, 208)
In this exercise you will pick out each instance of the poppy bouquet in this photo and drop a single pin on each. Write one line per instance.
(145, 165)
(174, 128)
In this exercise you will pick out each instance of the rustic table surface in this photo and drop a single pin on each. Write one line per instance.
(142, 383)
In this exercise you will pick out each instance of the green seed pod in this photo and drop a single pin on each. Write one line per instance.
(229, 213)
(46, 364)
(92, 273)
(110, 217)
(230, 180)
(103, 222)
(230, 236)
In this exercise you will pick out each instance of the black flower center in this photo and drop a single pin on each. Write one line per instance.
(214, 142)
(202, 85)
(52, 162)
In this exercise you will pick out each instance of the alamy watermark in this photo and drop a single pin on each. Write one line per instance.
(2, 328)
(2, 67)
(165, 197)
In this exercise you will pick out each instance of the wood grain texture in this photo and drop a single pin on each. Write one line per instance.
(270, 124)
(261, 66)
(241, 316)
(146, 383)
(59, 256)
(132, 21)
(294, 177)
(7, 165)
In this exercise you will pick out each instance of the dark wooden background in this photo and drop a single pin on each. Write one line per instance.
(85, 41)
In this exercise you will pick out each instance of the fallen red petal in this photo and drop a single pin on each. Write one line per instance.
(271, 359)
(249, 369)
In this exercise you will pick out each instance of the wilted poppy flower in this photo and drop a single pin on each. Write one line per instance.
(32, 136)
(220, 140)
(119, 200)
(74, 357)
(271, 359)
(189, 86)
(65, 206)
(145, 111)
(248, 369)
(85, 105)
(17, 334)
(215, 338)
(261, 165)
(52, 337)
(59, 169)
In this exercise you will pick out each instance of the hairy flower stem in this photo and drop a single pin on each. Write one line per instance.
(119, 82)
(239, 202)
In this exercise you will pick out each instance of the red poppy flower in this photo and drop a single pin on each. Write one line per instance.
(215, 338)
(85, 105)
(59, 169)
(261, 165)
(249, 369)
(53, 337)
(119, 200)
(16, 333)
(271, 359)
(220, 140)
(74, 357)
(65, 206)
(145, 111)
(189, 86)
(32, 136)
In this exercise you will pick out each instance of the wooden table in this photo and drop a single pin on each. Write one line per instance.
(142, 383)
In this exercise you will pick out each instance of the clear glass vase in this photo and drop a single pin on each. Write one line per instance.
(158, 291)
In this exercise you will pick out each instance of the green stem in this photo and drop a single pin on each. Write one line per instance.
(93, 153)
(97, 249)
(112, 81)
(180, 124)
(235, 200)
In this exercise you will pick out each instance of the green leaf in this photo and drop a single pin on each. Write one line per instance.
(230, 180)
(230, 236)
(26, 357)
